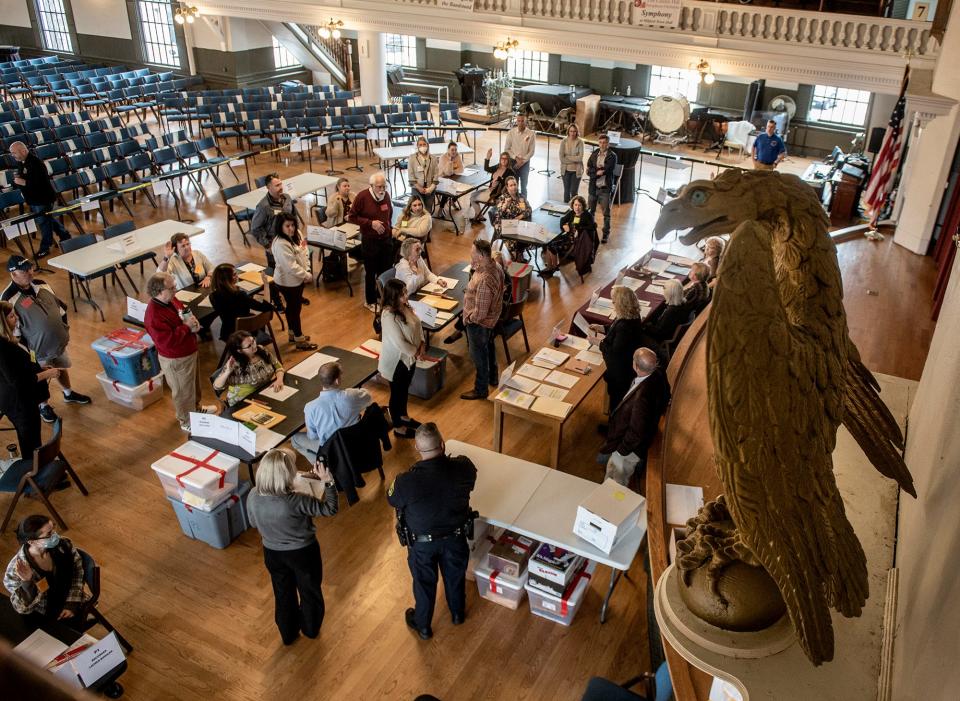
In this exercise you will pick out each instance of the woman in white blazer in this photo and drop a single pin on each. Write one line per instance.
(291, 273)
(402, 346)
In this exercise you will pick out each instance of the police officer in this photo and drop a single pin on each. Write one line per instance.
(433, 507)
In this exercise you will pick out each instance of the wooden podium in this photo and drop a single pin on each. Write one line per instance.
(588, 113)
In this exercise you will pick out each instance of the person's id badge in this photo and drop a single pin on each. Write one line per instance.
(403, 224)
(42, 585)
(26, 302)
(384, 207)
(576, 220)
(277, 212)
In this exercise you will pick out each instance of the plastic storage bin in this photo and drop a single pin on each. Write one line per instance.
(561, 609)
(128, 356)
(219, 527)
(429, 376)
(136, 397)
(497, 587)
(518, 273)
(197, 475)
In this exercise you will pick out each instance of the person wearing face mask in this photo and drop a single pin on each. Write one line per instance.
(45, 576)
(372, 212)
(423, 173)
(23, 384)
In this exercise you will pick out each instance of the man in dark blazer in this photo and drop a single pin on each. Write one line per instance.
(634, 421)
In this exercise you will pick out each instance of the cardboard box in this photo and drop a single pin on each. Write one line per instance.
(545, 585)
(554, 564)
(510, 554)
(608, 514)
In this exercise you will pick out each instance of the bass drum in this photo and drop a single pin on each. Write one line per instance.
(669, 113)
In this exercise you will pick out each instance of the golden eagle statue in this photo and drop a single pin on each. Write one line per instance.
(782, 375)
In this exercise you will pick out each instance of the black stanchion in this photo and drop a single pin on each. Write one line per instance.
(547, 171)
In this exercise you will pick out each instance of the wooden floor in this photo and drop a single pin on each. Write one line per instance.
(201, 619)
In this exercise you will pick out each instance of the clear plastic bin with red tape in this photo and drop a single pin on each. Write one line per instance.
(199, 476)
(497, 587)
(133, 397)
(561, 609)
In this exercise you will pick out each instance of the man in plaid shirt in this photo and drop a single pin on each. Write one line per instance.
(482, 304)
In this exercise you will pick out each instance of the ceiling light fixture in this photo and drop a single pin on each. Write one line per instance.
(505, 49)
(331, 29)
(706, 75)
(186, 14)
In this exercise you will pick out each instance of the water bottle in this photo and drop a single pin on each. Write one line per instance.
(629, 87)
(623, 271)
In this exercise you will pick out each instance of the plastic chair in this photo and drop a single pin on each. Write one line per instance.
(89, 615)
(257, 322)
(511, 321)
(42, 475)
(125, 228)
(659, 688)
(242, 215)
(78, 282)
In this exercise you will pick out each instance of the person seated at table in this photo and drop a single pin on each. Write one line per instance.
(422, 172)
(45, 576)
(338, 206)
(230, 302)
(696, 294)
(499, 172)
(412, 269)
(712, 253)
(248, 368)
(402, 347)
(333, 409)
(414, 220)
(664, 321)
(634, 420)
(187, 266)
(512, 205)
(619, 341)
(451, 162)
(578, 236)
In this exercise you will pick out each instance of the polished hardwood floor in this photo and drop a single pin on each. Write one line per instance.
(201, 619)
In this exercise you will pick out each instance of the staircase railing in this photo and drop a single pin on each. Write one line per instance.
(337, 52)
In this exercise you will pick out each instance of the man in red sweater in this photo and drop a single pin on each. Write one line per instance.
(372, 211)
(173, 330)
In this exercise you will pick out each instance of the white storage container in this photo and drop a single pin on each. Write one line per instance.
(198, 476)
(497, 587)
(136, 397)
(561, 609)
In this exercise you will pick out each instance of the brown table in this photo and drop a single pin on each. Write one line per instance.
(575, 397)
(633, 271)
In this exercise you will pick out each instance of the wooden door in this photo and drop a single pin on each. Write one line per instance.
(946, 250)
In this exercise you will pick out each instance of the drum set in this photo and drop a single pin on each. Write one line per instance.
(668, 117)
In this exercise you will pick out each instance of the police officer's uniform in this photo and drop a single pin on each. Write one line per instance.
(434, 498)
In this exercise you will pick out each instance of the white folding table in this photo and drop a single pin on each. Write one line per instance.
(395, 154)
(541, 503)
(113, 253)
(296, 186)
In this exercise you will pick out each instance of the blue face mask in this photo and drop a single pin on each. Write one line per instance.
(52, 541)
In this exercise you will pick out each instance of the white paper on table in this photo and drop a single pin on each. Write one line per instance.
(554, 206)
(601, 311)
(551, 392)
(97, 660)
(683, 502)
(634, 283)
(285, 392)
(248, 286)
(549, 355)
(591, 357)
(267, 439)
(310, 366)
(614, 137)
(680, 270)
(122, 244)
(654, 289)
(136, 309)
(532, 371)
(443, 316)
(250, 268)
(564, 379)
(447, 185)
(40, 648)
(186, 296)
(205, 302)
(680, 260)
(247, 440)
(511, 396)
(467, 172)
(215, 427)
(603, 302)
(576, 342)
(335, 238)
(552, 407)
(467, 268)
(657, 265)
(424, 312)
(533, 230)
(581, 323)
(236, 163)
(524, 384)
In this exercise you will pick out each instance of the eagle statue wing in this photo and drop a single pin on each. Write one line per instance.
(773, 394)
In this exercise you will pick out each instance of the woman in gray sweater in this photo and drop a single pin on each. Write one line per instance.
(290, 549)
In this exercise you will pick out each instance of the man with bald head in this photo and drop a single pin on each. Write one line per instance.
(433, 499)
(372, 211)
(34, 182)
(635, 420)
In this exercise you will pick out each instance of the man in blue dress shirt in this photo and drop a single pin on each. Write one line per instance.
(768, 149)
(332, 410)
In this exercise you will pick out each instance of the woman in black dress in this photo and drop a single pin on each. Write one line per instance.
(230, 302)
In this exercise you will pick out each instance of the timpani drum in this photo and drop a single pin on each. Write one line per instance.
(669, 113)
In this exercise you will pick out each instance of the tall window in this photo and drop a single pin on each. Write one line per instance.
(157, 33)
(53, 25)
(281, 57)
(528, 65)
(673, 81)
(401, 50)
(839, 105)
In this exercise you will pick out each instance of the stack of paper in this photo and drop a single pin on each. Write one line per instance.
(511, 396)
(439, 302)
(654, 289)
(524, 384)
(591, 357)
(552, 407)
(248, 286)
(186, 296)
(562, 378)
(575, 342)
(250, 268)
(680, 260)
(680, 270)
(267, 439)
(550, 357)
(551, 392)
(656, 265)
(601, 311)
(532, 371)
(436, 289)
(285, 392)
(634, 283)
(554, 206)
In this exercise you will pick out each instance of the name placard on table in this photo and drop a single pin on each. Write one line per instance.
(334, 238)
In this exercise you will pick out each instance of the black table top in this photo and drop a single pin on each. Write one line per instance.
(357, 369)
(455, 270)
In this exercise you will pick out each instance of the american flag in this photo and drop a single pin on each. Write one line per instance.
(888, 160)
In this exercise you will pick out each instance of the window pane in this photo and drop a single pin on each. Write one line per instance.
(53, 26)
(673, 81)
(839, 105)
(157, 32)
(281, 57)
(528, 65)
(401, 50)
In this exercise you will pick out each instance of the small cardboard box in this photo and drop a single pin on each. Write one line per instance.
(610, 512)
(554, 564)
(510, 554)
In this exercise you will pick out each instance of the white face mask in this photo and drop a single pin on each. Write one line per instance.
(423, 149)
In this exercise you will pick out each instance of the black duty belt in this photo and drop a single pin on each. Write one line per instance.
(431, 538)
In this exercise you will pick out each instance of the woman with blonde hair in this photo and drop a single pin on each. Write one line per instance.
(712, 253)
(414, 220)
(412, 269)
(290, 548)
(625, 335)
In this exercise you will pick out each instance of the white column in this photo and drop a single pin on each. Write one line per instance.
(373, 67)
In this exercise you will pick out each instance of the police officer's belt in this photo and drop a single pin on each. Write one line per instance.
(431, 538)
